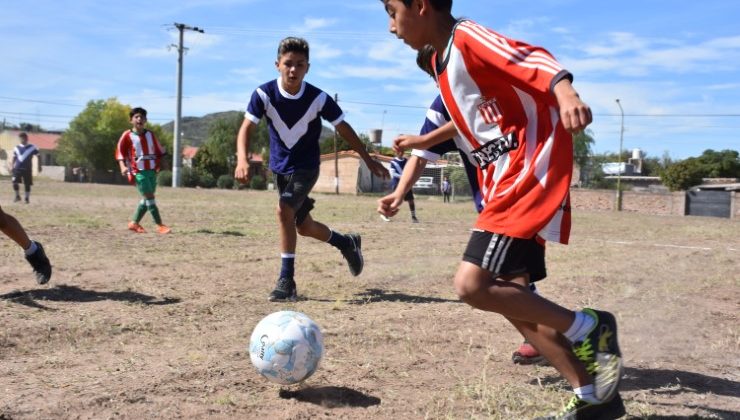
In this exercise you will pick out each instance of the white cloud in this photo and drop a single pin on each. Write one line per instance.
(323, 51)
(312, 24)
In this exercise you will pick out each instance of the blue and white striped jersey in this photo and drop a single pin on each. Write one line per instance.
(437, 116)
(24, 156)
(294, 123)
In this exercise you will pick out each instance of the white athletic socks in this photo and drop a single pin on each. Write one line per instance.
(31, 249)
(582, 325)
(586, 393)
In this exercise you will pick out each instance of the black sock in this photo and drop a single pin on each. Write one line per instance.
(339, 241)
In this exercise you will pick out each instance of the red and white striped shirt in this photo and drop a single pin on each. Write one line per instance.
(139, 152)
(499, 95)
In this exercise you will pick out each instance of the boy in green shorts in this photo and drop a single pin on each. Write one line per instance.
(139, 156)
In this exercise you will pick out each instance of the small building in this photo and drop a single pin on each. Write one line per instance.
(188, 153)
(349, 174)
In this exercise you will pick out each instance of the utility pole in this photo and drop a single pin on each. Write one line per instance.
(176, 153)
(619, 167)
(336, 155)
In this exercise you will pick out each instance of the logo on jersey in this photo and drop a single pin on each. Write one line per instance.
(490, 111)
(491, 151)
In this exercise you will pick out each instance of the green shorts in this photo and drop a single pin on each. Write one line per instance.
(146, 182)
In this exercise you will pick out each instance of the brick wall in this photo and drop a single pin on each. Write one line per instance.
(639, 202)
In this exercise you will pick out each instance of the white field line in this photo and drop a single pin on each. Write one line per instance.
(700, 248)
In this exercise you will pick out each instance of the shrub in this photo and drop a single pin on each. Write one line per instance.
(189, 178)
(225, 182)
(164, 178)
(682, 175)
(206, 180)
(258, 183)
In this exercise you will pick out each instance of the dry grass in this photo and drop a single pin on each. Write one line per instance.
(146, 326)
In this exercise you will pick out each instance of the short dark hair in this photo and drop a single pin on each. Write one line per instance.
(424, 59)
(292, 44)
(23, 135)
(137, 110)
(439, 5)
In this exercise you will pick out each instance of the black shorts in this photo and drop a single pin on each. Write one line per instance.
(502, 255)
(293, 190)
(25, 176)
(409, 195)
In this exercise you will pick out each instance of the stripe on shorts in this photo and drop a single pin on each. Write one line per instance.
(496, 252)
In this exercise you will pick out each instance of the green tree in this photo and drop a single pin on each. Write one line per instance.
(681, 176)
(582, 148)
(93, 134)
(218, 153)
(722, 164)
(326, 144)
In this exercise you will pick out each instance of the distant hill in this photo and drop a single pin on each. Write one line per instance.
(195, 129)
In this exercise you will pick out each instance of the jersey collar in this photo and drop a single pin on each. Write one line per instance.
(286, 94)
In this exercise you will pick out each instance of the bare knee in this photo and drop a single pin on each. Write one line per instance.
(285, 214)
(468, 287)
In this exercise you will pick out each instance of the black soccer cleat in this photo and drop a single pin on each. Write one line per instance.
(599, 351)
(581, 410)
(41, 265)
(353, 254)
(285, 291)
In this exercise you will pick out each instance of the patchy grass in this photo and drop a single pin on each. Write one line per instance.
(149, 326)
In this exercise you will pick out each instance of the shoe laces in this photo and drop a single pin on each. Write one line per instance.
(585, 353)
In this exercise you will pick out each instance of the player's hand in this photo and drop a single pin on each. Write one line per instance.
(574, 113)
(241, 173)
(404, 142)
(378, 169)
(576, 116)
(388, 206)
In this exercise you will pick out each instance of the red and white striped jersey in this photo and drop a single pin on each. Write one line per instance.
(499, 95)
(139, 152)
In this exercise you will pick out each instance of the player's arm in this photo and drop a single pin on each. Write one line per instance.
(348, 133)
(425, 141)
(574, 113)
(122, 153)
(247, 130)
(388, 206)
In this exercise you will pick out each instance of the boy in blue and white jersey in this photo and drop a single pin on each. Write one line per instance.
(23, 155)
(397, 165)
(294, 110)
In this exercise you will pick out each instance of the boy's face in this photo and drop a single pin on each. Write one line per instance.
(138, 121)
(292, 67)
(404, 22)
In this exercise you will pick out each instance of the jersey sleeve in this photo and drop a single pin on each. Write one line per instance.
(123, 147)
(331, 111)
(256, 107)
(159, 149)
(436, 117)
(526, 66)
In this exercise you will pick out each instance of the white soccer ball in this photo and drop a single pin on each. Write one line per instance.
(286, 347)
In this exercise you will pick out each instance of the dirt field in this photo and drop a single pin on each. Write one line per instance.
(147, 326)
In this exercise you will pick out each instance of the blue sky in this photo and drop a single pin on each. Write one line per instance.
(674, 65)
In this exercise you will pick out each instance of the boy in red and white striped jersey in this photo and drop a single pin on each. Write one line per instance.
(515, 109)
(139, 156)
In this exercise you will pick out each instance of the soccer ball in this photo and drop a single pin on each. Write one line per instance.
(286, 347)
